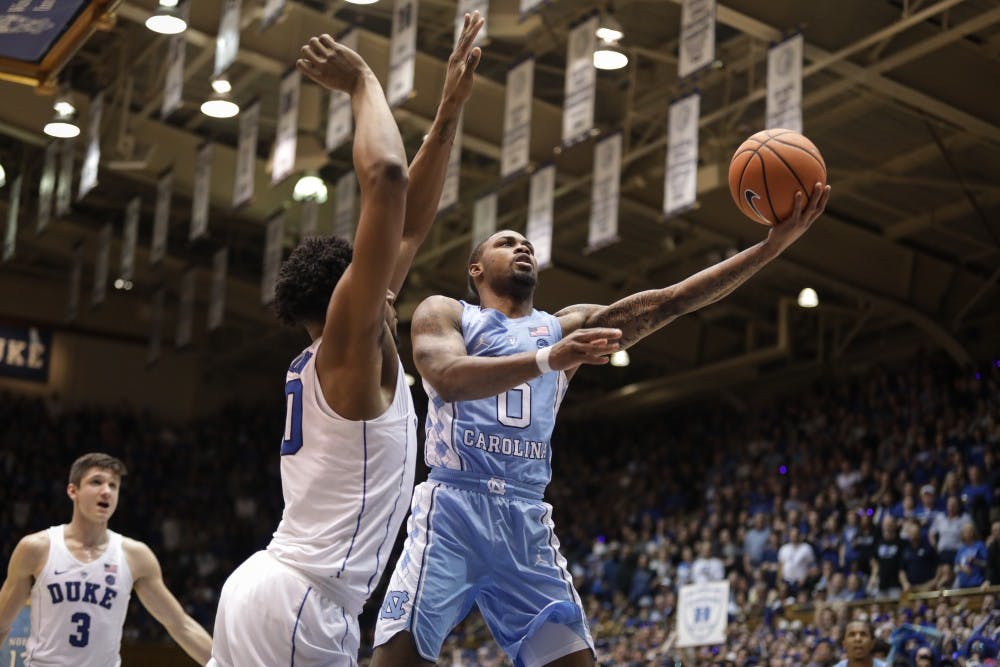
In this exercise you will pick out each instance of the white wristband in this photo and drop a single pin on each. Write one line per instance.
(542, 359)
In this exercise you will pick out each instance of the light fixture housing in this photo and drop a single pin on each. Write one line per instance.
(620, 358)
(610, 57)
(362, 2)
(310, 186)
(808, 298)
(221, 85)
(609, 29)
(167, 19)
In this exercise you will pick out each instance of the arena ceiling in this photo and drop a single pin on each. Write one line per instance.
(900, 95)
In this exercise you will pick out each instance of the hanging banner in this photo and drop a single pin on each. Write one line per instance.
(217, 297)
(467, 7)
(246, 155)
(202, 190)
(702, 614)
(47, 186)
(185, 309)
(515, 150)
(130, 234)
(343, 211)
(604, 196)
(528, 6)
(24, 354)
(581, 82)
(540, 200)
(449, 191)
(101, 266)
(155, 327)
(75, 280)
(273, 245)
(339, 117)
(784, 85)
(13, 209)
(402, 51)
(92, 156)
(680, 186)
(484, 218)
(161, 216)
(697, 43)
(64, 185)
(288, 126)
(309, 221)
(173, 84)
(271, 13)
(227, 42)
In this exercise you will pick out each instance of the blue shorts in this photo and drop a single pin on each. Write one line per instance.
(481, 541)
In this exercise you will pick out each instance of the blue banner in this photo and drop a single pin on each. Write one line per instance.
(29, 28)
(25, 353)
(15, 648)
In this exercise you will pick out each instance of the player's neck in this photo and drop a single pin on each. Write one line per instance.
(509, 305)
(87, 533)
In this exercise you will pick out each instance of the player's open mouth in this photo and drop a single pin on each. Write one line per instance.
(523, 260)
(104, 505)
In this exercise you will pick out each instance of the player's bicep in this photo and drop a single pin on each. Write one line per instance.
(24, 561)
(436, 333)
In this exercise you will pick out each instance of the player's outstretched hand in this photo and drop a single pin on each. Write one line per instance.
(331, 64)
(584, 346)
(789, 230)
(463, 62)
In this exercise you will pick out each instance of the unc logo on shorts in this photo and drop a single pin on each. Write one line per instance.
(497, 486)
(393, 607)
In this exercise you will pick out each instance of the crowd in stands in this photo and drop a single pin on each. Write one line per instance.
(831, 504)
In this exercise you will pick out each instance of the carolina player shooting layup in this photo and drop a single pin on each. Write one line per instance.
(80, 577)
(349, 450)
(495, 374)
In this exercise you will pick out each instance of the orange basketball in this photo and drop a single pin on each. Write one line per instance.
(769, 168)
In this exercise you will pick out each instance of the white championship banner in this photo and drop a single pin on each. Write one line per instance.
(449, 191)
(604, 196)
(13, 209)
(100, 287)
(484, 218)
(246, 155)
(697, 43)
(227, 42)
(286, 135)
(75, 279)
(343, 208)
(202, 190)
(271, 13)
(217, 297)
(581, 82)
(540, 201)
(273, 246)
(402, 52)
(161, 216)
(47, 186)
(703, 614)
(527, 6)
(185, 309)
(64, 184)
(467, 7)
(92, 156)
(130, 234)
(680, 187)
(173, 83)
(784, 85)
(340, 117)
(516, 147)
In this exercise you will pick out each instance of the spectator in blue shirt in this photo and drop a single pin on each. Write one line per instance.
(970, 561)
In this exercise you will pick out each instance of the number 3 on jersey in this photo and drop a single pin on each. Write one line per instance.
(514, 406)
(291, 443)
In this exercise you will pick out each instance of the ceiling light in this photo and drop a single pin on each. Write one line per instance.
(609, 57)
(64, 107)
(808, 298)
(221, 85)
(310, 186)
(167, 19)
(219, 105)
(410, 380)
(609, 29)
(620, 358)
(609, 54)
(362, 2)
(3, 177)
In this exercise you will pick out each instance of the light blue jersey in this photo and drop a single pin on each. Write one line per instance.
(506, 436)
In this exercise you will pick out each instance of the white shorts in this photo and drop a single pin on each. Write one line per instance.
(270, 615)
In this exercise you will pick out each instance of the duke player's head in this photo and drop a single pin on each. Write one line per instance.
(503, 265)
(307, 279)
(94, 482)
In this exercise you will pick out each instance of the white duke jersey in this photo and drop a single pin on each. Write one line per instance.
(346, 484)
(506, 436)
(78, 609)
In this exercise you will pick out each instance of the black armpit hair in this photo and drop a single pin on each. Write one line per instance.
(307, 278)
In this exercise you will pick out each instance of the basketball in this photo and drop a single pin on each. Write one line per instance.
(769, 168)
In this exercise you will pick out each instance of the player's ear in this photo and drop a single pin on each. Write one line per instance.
(71, 491)
(475, 270)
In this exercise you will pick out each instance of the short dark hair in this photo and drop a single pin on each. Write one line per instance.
(474, 257)
(95, 460)
(307, 278)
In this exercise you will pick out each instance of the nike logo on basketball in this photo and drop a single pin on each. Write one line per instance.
(752, 198)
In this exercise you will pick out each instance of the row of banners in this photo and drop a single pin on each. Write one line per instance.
(697, 53)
